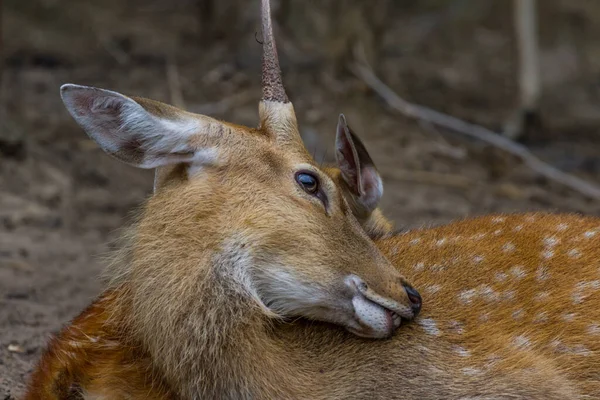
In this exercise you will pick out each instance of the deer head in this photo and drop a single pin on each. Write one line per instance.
(249, 206)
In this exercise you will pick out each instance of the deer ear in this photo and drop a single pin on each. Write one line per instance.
(142, 133)
(357, 168)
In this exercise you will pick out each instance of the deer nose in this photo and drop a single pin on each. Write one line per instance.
(415, 298)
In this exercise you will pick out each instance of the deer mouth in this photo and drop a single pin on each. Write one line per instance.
(373, 320)
(374, 315)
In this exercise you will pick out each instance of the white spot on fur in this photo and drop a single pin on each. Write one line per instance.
(518, 228)
(518, 314)
(580, 350)
(541, 317)
(497, 220)
(478, 259)
(441, 242)
(568, 317)
(466, 296)
(419, 266)
(478, 236)
(508, 247)
(484, 317)
(433, 289)
(429, 325)
(547, 254)
(574, 253)
(530, 218)
(562, 227)
(488, 293)
(415, 241)
(518, 272)
(522, 342)
(541, 296)
(497, 232)
(555, 343)
(593, 329)
(501, 276)
(551, 241)
(589, 234)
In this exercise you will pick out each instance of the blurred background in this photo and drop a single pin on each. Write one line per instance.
(61, 198)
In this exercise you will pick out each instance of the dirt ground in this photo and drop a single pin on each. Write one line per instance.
(62, 200)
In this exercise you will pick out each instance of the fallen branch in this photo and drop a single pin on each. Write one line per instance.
(363, 71)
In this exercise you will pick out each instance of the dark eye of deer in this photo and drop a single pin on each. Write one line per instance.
(308, 182)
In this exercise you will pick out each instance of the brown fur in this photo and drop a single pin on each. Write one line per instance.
(222, 346)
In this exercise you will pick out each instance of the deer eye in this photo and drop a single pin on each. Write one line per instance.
(308, 182)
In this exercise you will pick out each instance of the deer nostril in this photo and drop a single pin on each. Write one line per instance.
(415, 298)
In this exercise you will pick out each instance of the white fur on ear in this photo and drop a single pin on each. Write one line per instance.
(127, 131)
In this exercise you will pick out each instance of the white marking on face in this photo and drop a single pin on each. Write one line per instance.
(429, 325)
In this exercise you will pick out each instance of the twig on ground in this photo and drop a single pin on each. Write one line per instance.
(363, 71)
(174, 84)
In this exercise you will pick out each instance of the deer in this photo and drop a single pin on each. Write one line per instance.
(279, 293)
